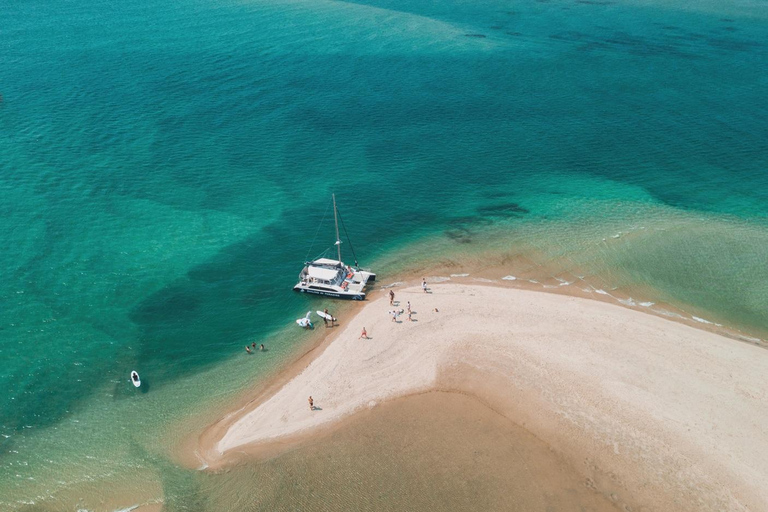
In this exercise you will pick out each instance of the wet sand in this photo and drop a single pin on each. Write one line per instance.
(647, 412)
(432, 451)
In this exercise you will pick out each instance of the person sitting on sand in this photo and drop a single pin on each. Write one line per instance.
(311, 404)
(363, 335)
(436, 311)
(261, 347)
(248, 349)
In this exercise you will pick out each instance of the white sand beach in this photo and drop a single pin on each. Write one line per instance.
(655, 415)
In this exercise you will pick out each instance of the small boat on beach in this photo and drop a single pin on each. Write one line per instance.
(334, 278)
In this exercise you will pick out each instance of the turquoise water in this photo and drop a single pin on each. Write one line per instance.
(164, 168)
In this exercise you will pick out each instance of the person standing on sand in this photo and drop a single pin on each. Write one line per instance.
(363, 335)
(311, 403)
(409, 307)
(409, 316)
(391, 297)
(424, 284)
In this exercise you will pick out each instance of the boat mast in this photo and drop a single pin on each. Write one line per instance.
(336, 221)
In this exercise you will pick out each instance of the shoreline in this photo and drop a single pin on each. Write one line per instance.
(446, 375)
(448, 269)
(530, 274)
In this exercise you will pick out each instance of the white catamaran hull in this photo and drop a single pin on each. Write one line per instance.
(335, 295)
(334, 278)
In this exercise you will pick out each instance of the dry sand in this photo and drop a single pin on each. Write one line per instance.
(654, 414)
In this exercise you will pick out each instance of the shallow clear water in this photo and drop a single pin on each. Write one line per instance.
(164, 169)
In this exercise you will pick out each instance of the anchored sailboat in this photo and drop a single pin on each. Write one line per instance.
(333, 278)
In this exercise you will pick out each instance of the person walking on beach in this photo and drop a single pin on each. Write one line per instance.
(409, 307)
(311, 403)
(409, 316)
(394, 315)
(363, 335)
(424, 284)
(327, 314)
(325, 319)
(391, 297)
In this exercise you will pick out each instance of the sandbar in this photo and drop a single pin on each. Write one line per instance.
(655, 414)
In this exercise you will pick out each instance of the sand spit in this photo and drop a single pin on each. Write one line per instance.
(656, 414)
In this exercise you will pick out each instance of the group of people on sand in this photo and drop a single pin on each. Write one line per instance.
(364, 333)
(396, 313)
(252, 348)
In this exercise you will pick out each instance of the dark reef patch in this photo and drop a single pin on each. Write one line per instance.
(463, 222)
(479, 36)
(459, 235)
(502, 210)
(569, 35)
(733, 44)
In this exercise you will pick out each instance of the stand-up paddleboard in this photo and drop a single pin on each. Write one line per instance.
(135, 378)
(305, 322)
(321, 314)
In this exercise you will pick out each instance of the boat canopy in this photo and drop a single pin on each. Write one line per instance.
(324, 274)
(326, 261)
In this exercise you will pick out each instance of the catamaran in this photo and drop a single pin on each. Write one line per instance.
(333, 278)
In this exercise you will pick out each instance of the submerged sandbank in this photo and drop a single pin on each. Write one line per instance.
(653, 412)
